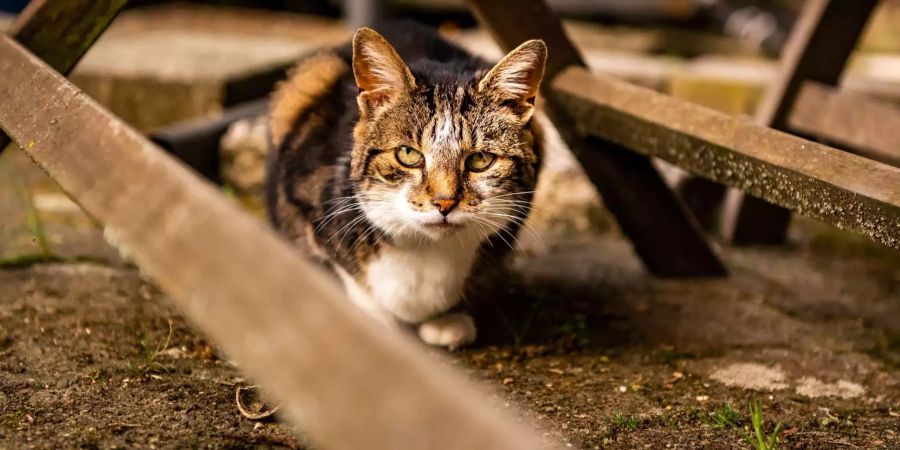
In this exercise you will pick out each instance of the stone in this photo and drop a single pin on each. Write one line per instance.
(751, 376)
(814, 388)
(243, 155)
(157, 66)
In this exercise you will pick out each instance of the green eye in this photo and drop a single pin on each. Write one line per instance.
(408, 156)
(479, 162)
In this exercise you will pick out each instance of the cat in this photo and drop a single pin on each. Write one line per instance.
(407, 171)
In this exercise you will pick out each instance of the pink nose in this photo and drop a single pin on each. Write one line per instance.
(444, 204)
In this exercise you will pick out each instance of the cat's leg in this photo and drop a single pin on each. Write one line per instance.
(452, 330)
(363, 299)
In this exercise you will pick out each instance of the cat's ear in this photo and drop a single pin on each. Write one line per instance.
(518, 75)
(380, 72)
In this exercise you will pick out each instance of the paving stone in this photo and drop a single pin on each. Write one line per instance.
(162, 65)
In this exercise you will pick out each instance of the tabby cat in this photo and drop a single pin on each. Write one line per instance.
(406, 180)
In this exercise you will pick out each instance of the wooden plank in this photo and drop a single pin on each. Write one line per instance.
(639, 203)
(347, 381)
(820, 44)
(866, 126)
(817, 50)
(831, 185)
(60, 32)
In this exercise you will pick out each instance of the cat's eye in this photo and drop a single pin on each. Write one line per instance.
(479, 162)
(409, 156)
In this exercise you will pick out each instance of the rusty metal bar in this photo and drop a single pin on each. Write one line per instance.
(846, 190)
(666, 237)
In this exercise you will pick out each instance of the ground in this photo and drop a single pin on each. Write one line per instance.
(601, 354)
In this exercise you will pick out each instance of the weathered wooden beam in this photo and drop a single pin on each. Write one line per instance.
(347, 381)
(817, 50)
(665, 235)
(60, 32)
(831, 185)
(856, 123)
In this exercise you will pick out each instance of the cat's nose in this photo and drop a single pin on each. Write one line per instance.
(444, 204)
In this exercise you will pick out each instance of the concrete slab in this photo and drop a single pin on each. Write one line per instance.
(162, 65)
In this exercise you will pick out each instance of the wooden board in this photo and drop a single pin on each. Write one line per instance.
(817, 50)
(837, 187)
(665, 235)
(347, 382)
(863, 125)
(60, 32)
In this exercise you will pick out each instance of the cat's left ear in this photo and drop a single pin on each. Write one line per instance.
(379, 71)
(517, 77)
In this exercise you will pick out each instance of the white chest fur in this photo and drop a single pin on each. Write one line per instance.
(417, 281)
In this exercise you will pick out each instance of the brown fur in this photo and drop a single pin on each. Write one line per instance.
(308, 81)
(336, 184)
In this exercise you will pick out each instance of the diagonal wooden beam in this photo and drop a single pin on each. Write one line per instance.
(60, 32)
(845, 190)
(817, 50)
(856, 123)
(664, 234)
(348, 382)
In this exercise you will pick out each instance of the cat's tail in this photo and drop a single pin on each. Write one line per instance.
(312, 78)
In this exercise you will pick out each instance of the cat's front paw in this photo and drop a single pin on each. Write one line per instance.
(453, 331)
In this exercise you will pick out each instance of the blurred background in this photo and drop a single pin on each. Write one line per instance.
(580, 335)
(164, 66)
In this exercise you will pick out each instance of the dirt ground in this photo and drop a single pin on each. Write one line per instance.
(604, 356)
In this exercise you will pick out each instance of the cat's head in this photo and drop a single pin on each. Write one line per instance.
(438, 152)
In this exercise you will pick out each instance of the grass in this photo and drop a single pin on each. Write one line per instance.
(150, 353)
(45, 253)
(759, 440)
(623, 422)
(32, 259)
(724, 417)
(33, 219)
(12, 421)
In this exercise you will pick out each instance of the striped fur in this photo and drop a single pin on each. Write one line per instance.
(405, 235)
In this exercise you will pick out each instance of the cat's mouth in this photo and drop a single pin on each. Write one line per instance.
(442, 225)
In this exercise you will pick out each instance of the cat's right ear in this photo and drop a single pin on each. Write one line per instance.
(380, 72)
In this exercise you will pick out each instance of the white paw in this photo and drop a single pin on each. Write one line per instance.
(450, 330)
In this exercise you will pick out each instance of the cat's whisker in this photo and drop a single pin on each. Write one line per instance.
(341, 205)
(522, 222)
(333, 215)
(484, 232)
(371, 229)
(510, 194)
(347, 227)
(499, 230)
